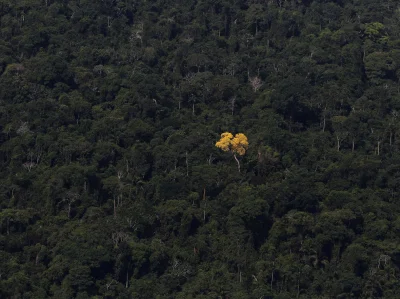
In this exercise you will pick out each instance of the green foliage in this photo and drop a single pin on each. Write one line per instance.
(110, 182)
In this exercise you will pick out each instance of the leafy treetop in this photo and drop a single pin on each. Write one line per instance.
(237, 144)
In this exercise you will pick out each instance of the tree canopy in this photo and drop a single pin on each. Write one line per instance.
(237, 145)
(116, 183)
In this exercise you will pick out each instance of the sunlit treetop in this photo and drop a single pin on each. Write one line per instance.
(237, 145)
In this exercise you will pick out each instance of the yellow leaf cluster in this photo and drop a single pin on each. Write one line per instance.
(237, 144)
(225, 141)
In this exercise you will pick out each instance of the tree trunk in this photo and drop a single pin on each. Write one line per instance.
(127, 280)
(338, 143)
(379, 147)
(187, 165)
(115, 209)
(205, 204)
(352, 146)
(298, 285)
(272, 278)
(237, 161)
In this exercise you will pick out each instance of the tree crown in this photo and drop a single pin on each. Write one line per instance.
(237, 144)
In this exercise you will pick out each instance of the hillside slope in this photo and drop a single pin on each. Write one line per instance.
(111, 185)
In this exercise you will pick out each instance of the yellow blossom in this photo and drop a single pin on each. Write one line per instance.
(237, 144)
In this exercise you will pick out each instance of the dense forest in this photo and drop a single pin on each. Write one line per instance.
(111, 183)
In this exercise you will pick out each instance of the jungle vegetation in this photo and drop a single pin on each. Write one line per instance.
(111, 183)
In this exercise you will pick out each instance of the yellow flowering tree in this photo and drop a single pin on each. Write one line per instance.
(237, 144)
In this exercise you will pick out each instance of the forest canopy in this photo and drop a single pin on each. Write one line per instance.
(116, 183)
